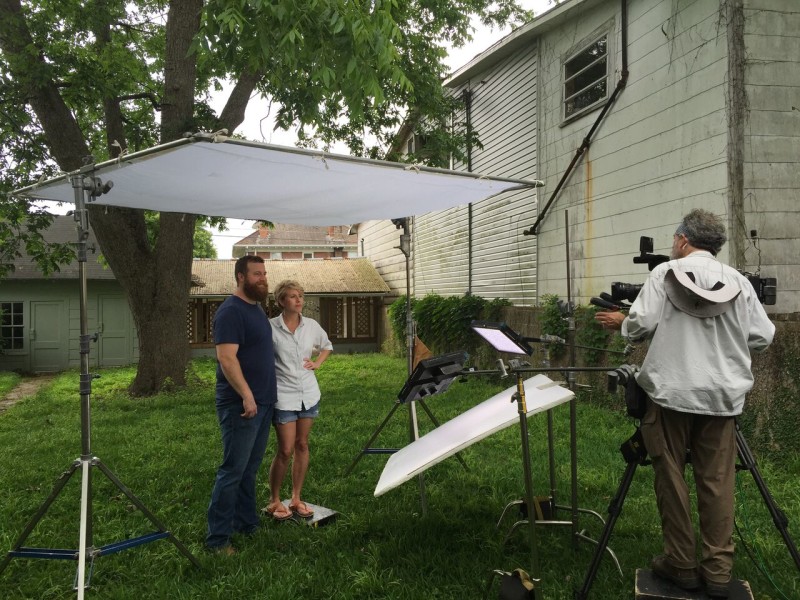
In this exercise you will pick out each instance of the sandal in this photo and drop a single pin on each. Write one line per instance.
(302, 510)
(278, 511)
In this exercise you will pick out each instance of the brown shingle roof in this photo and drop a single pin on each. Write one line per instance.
(334, 277)
(63, 230)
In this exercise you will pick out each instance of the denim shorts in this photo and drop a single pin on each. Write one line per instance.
(281, 417)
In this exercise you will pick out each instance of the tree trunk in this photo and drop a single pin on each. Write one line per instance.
(156, 283)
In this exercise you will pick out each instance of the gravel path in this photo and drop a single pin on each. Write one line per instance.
(27, 387)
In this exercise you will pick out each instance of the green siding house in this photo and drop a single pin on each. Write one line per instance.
(40, 315)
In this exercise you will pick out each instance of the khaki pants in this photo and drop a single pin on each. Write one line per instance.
(668, 434)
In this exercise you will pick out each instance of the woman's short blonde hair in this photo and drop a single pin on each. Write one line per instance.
(283, 288)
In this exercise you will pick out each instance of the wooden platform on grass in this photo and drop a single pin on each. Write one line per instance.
(651, 587)
(322, 516)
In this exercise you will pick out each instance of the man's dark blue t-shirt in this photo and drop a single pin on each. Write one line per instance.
(239, 322)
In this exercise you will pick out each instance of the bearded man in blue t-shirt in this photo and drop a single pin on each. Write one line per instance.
(246, 393)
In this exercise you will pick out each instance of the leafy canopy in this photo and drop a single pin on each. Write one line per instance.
(103, 77)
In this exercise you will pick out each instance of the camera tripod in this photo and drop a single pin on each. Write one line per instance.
(635, 455)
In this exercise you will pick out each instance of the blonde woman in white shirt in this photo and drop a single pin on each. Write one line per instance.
(297, 339)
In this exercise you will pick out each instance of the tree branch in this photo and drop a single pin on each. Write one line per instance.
(233, 114)
(64, 136)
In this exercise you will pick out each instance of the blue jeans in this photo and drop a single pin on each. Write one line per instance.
(282, 417)
(233, 500)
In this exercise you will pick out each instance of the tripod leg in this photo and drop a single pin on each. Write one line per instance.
(614, 510)
(85, 535)
(778, 516)
(371, 439)
(60, 483)
(413, 430)
(153, 519)
(436, 423)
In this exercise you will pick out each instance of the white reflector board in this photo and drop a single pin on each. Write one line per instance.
(232, 178)
(490, 416)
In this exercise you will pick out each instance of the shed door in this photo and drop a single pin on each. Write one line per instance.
(48, 333)
(114, 326)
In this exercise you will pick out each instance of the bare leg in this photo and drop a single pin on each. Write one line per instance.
(280, 464)
(301, 457)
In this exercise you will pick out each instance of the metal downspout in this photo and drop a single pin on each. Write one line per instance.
(587, 141)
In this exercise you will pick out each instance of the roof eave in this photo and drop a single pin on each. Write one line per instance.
(516, 39)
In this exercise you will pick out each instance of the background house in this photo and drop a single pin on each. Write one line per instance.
(288, 242)
(41, 315)
(40, 325)
(344, 295)
(707, 116)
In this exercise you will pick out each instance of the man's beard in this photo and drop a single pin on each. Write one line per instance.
(256, 291)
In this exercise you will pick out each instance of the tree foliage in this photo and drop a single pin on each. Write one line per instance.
(101, 77)
(202, 239)
(443, 323)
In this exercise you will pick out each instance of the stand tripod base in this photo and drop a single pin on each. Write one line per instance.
(83, 580)
(651, 587)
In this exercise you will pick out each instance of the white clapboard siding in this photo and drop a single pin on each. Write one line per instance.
(772, 144)
(382, 246)
(503, 260)
(660, 151)
(683, 133)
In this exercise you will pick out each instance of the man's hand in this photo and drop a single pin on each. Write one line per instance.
(610, 319)
(250, 408)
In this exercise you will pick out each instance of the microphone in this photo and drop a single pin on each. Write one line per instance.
(603, 303)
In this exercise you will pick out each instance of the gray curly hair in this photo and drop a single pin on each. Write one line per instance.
(704, 230)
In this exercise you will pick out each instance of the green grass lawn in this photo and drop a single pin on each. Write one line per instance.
(8, 381)
(166, 450)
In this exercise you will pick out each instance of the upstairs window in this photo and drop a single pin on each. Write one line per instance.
(11, 326)
(586, 77)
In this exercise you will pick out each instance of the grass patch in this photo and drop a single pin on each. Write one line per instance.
(8, 381)
(166, 449)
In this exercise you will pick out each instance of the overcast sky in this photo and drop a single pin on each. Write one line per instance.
(258, 124)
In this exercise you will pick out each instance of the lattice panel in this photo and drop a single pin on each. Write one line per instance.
(338, 319)
(210, 312)
(362, 323)
(190, 316)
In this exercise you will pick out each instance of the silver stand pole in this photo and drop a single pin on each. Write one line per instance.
(572, 384)
(413, 423)
(530, 497)
(84, 182)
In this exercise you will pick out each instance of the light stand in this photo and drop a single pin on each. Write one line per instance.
(405, 248)
(83, 182)
(504, 339)
(413, 423)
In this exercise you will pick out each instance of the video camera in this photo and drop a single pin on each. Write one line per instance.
(627, 292)
(635, 398)
(765, 287)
